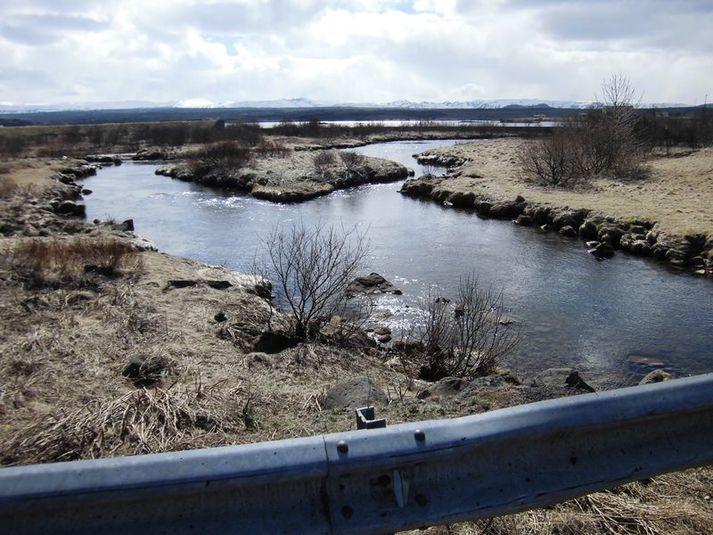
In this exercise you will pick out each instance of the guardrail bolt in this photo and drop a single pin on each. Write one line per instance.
(347, 512)
(421, 500)
(342, 447)
(419, 435)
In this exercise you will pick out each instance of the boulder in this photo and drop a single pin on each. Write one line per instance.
(446, 387)
(71, 208)
(561, 377)
(603, 250)
(524, 220)
(274, 342)
(568, 232)
(656, 376)
(353, 394)
(610, 234)
(569, 218)
(506, 210)
(460, 199)
(588, 230)
(371, 284)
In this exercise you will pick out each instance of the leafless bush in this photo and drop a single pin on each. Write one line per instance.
(466, 337)
(310, 269)
(605, 140)
(224, 154)
(323, 161)
(271, 149)
(351, 160)
(56, 260)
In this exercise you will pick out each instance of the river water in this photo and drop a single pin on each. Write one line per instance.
(571, 309)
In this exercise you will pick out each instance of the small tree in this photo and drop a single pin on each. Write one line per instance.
(466, 337)
(311, 268)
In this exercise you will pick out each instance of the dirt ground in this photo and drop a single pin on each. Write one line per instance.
(677, 193)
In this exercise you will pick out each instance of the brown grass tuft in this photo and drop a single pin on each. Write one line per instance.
(54, 260)
(139, 422)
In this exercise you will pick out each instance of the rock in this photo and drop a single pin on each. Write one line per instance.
(86, 191)
(569, 218)
(539, 214)
(656, 376)
(143, 244)
(506, 210)
(641, 360)
(482, 207)
(610, 234)
(545, 227)
(603, 250)
(371, 284)
(147, 371)
(408, 347)
(274, 342)
(561, 377)
(524, 220)
(382, 330)
(462, 200)
(125, 226)
(220, 317)
(148, 154)
(353, 394)
(72, 208)
(444, 388)
(568, 232)
(588, 230)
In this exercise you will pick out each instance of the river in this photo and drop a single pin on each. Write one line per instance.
(571, 309)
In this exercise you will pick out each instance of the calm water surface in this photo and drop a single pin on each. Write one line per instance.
(572, 310)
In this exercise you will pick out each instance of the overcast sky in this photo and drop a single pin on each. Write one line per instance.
(61, 51)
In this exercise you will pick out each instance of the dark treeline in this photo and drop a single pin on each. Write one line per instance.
(79, 140)
(337, 113)
(663, 130)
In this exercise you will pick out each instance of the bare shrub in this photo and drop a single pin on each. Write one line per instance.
(55, 260)
(225, 154)
(311, 269)
(351, 160)
(323, 161)
(466, 337)
(552, 160)
(605, 140)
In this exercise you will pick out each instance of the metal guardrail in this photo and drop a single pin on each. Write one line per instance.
(381, 480)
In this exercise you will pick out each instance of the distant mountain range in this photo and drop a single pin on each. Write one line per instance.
(293, 103)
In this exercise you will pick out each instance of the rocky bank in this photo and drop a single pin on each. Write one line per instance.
(476, 185)
(299, 176)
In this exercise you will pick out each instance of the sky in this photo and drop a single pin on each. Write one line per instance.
(71, 51)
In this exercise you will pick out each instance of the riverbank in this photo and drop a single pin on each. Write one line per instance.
(162, 353)
(666, 214)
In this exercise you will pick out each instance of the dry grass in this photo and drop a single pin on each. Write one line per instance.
(677, 193)
(667, 505)
(138, 422)
(55, 260)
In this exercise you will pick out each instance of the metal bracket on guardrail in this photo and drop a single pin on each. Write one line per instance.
(366, 419)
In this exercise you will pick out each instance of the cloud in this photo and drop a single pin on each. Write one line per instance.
(359, 50)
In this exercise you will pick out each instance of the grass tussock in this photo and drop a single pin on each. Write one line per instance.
(54, 260)
(7, 186)
(138, 422)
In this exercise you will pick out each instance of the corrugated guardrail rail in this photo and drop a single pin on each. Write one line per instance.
(381, 480)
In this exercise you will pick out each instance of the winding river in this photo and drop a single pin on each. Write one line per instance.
(571, 309)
